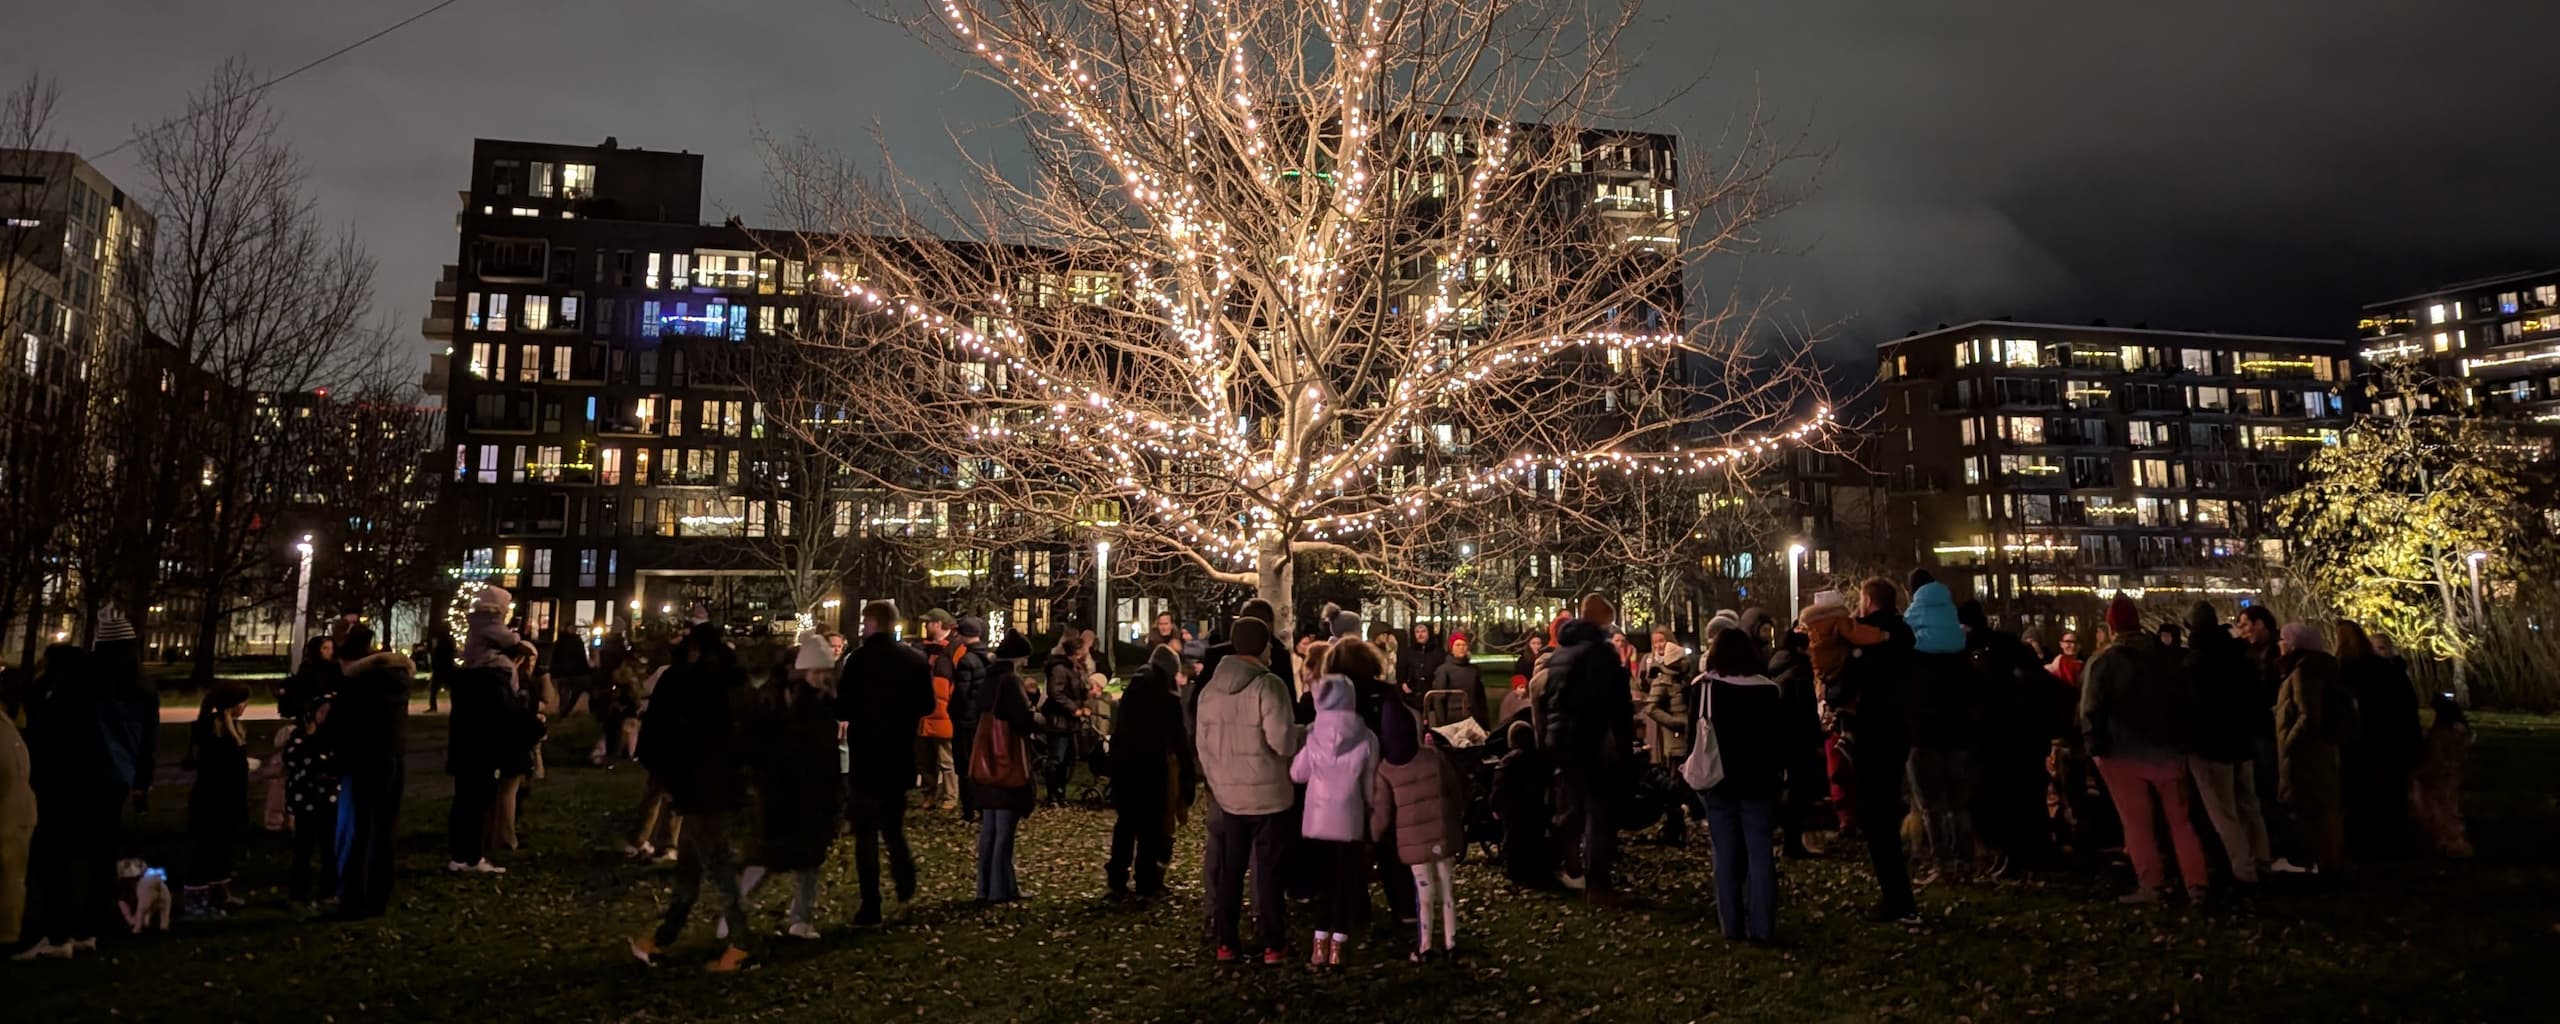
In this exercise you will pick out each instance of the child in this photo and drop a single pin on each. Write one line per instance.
(2435, 794)
(1335, 765)
(1420, 802)
(1521, 782)
(487, 643)
(1833, 636)
(311, 796)
(1932, 617)
(276, 816)
(218, 751)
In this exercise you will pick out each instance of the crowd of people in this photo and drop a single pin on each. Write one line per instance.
(1337, 772)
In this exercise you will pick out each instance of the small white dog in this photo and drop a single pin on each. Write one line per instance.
(145, 895)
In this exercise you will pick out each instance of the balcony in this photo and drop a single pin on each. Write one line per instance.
(437, 328)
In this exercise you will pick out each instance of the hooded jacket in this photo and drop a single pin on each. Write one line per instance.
(1246, 733)
(1831, 636)
(1666, 703)
(1932, 615)
(692, 728)
(1152, 766)
(1335, 764)
(2136, 703)
(2314, 714)
(886, 690)
(369, 721)
(1417, 799)
(1589, 712)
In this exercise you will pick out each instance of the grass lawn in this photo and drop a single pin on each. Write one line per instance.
(2429, 941)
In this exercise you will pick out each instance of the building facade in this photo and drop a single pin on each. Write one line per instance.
(2044, 468)
(2492, 345)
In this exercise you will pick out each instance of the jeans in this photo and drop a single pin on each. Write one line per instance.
(1238, 843)
(314, 838)
(1062, 764)
(1587, 788)
(704, 853)
(1746, 868)
(1879, 769)
(368, 814)
(475, 793)
(804, 897)
(1139, 840)
(656, 808)
(1944, 780)
(996, 883)
(2230, 794)
(1434, 886)
(879, 816)
(2142, 789)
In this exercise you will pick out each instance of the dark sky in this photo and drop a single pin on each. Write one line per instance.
(2263, 166)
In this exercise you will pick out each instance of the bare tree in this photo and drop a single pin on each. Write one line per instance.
(1292, 278)
(31, 442)
(809, 525)
(258, 302)
(371, 466)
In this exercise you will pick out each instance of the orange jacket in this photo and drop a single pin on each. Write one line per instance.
(937, 726)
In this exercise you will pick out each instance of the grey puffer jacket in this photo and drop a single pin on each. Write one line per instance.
(1247, 733)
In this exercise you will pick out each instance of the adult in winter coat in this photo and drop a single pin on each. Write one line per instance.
(369, 740)
(1276, 655)
(1748, 713)
(1062, 712)
(2138, 715)
(792, 749)
(318, 674)
(935, 761)
(1153, 775)
(2016, 730)
(1869, 696)
(486, 733)
(1001, 808)
(1418, 666)
(2378, 762)
(694, 746)
(1247, 733)
(1589, 726)
(2227, 694)
(1457, 677)
(1336, 764)
(218, 802)
(886, 689)
(2257, 629)
(1419, 799)
(92, 732)
(1791, 667)
(970, 695)
(1666, 697)
(2315, 713)
(1944, 712)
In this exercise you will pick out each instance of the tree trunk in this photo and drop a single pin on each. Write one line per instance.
(208, 629)
(1275, 568)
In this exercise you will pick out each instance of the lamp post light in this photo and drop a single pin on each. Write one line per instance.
(1795, 561)
(1102, 602)
(302, 605)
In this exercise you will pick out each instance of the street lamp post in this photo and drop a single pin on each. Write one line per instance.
(1102, 602)
(303, 602)
(1795, 560)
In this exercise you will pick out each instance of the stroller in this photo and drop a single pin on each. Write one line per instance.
(1093, 748)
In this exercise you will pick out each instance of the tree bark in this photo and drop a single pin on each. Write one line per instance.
(1275, 568)
(208, 629)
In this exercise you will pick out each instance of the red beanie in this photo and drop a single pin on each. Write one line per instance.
(2122, 616)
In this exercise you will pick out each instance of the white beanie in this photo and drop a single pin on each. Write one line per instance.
(113, 626)
(1828, 599)
(814, 652)
(492, 599)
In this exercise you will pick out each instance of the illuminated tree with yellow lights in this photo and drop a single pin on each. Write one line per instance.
(1298, 277)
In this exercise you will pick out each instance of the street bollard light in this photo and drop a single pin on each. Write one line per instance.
(302, 606)
(1102, 603)
(1795, 560)
(2477, 615)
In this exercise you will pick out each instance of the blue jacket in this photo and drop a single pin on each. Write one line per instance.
(1932, 616)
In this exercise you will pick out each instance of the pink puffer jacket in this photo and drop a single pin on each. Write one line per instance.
(1424, 805)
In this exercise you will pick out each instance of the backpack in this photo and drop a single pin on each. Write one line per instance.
(997, 757)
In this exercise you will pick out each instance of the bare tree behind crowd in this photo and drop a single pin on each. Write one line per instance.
(1289, 278)
(374, 486)
(257, 300)
(32, 452)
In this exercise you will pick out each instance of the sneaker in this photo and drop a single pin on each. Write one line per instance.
(749, 879)
(43, 950)
(666, 856)
(1274, 957)
(732, 960)
(640, 851)
(1573, 882)
(720, 928)
(646, 948)
(486, 868)
(2140, 897)
(801, 930)
(2283, 866)
(1884, 914)
(1226, 954)
(87, 945)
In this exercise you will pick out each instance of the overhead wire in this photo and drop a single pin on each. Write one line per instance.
(287, 76)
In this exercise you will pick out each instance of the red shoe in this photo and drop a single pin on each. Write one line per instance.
(1226, 954)
(1274, 957)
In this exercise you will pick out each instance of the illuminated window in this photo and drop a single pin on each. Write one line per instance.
(497, 311)
(795, 275)
(543, 188)
(577, 181)
(652, 277)
(2443, 339)
(537, 312)
(471, 310)
(2019, 351)
(609, 470)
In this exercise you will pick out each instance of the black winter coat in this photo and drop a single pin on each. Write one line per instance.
(969, 693)
(1151, 752)
(1751, 738)
(1461, 676)
(481, 727)
(1872, 692)
(793, 743)
(369, 719)
(2227, 689)
(691, 736)
(1590, 715)
(886, 689)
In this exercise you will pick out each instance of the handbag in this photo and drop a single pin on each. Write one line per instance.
(1704, 767)
(997, 757)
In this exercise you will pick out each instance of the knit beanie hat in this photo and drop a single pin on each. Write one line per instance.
(1250, 637)
(1343, 624)
(1829, 599)
(972, 627)
(2305, 637)
(814, 652)
(2122, 616)
(492, 599)
(113, 626)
